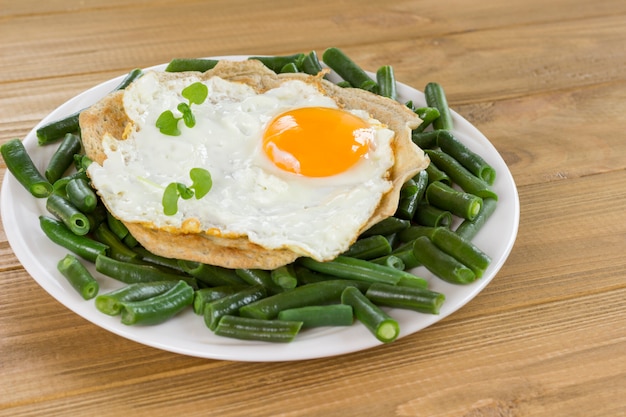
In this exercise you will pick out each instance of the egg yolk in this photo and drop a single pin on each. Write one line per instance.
(316, 141)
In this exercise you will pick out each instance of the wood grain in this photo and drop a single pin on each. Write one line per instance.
(544, 81)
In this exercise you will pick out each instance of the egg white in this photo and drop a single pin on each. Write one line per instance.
(316, 217)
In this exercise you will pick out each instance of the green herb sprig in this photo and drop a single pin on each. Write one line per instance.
(167, 123)
(201, 183)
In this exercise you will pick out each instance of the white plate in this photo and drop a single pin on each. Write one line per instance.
(186, 333)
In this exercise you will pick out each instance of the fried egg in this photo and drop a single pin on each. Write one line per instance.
(290, 168)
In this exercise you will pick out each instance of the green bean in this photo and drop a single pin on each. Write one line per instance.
(116, 226)
(53, 131)
(190, 64)
(425, 140)
(459, 203)
(117, 249)
(230, 304)
(405, 253)
(473, 162)
(440, 263)
(131, 273)
(210, 274)
(344, 84)
(130, 241)
(369, 247)
(429, 139)
(259, 277)
(290, 68)
(411, 195)
(284, 277)
(428, 116)
(60, 185)
(392, 239)
(387, 226)
(63, 157)
(428, 215)
(82, 162)
(392, 260)
(463, 250)
(408, 279)
(63, 209)
(323, 292)
(204, 296)
(22, 167)
(362, 270)
(437, 175)
(408, 200)
(130, 77)
(421, 182)
(97, 216)
(78, 276)
(82, 246)
(469, 228)
(318, 316)
(311, 64)
(379, 323)
(386, 80)
(460, 175)
(276, 63)
(77, 158)
(306, 276)
(81, 195)
(148, 257)
(157, 309)
(348, 70)
(436, 97)
(417, 299)
(277, 331)
(111, 302)
(416, 231)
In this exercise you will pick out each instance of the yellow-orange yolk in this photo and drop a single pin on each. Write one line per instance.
(316, 141)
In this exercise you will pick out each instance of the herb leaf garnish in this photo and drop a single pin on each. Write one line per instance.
(170, 199)
(167, 123)
(196, 93)
(202, 181)
(201, 184)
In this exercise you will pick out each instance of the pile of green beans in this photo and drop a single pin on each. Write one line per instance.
(276, 305)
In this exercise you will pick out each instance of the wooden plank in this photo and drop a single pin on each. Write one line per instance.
(507, 62)
(542, 80)
(546, 137)
(544, 271)
(43, 333)
(553, 259)
(535, 130)
(532, 364)
(57, 7)
(194, 30)
(557, 135)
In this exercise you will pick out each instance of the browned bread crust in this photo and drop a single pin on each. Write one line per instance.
(107, 117)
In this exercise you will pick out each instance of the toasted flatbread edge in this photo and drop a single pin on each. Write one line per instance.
(107, 117)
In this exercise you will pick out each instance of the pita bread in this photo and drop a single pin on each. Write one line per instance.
(107, 117)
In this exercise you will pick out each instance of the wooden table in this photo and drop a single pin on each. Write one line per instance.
(543, 80)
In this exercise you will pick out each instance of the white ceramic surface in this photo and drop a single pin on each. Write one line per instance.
(186, 333)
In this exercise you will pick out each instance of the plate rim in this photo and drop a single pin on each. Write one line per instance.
(233, 349)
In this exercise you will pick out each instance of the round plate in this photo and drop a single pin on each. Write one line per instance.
(186, 333)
